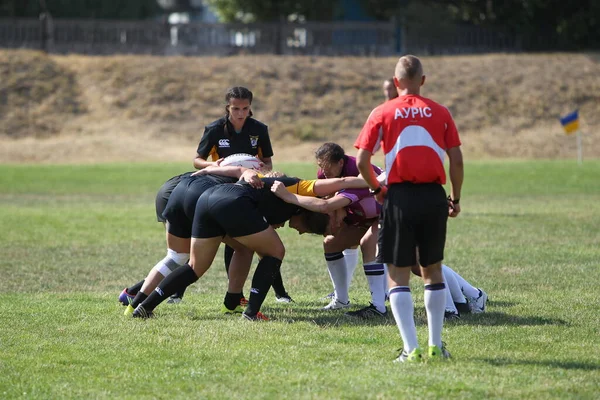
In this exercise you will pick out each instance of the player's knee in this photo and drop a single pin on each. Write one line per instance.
(277, 251)
(172, 261)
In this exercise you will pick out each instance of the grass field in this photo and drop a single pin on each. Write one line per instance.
(72, 237)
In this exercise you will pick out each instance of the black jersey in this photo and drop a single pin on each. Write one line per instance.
(275, 210)
(253, 139)
(180, 208)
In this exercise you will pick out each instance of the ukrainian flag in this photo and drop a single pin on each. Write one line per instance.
(570, 122)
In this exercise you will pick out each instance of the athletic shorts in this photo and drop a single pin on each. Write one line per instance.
(379, 257)
(226, 210)
(179, 211)
(162, 197)
(414, 215)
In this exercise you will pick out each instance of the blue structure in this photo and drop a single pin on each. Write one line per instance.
(353, 11)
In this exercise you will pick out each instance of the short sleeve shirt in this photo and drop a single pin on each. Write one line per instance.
(415, 133)
(253, 139)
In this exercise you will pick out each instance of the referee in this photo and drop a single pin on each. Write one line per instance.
(415, 133)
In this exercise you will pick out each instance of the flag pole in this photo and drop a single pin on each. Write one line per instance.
(579, 148)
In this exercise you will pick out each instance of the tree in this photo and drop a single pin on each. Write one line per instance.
(272, 10)
(542, 24)
(106, 9)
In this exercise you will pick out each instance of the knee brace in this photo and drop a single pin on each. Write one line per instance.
(172, 261)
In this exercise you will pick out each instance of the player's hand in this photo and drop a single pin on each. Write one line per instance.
(251, 176)
(453, 209)
(380, 197)
(336, 219)
(280, 190)
(218, 162)
(203, 171)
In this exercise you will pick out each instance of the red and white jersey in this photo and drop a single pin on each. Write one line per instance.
(415, 133)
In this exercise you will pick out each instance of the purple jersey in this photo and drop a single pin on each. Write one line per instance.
(363, 205)
(363, 209)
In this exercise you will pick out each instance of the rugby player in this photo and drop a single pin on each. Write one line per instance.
(249, 216)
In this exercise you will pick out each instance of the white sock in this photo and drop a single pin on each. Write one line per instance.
(450, 307)
(452, 286)
(385, 279)
(336, 265)
(403, 309)
(351, 256)
(375, 273)
(435, 302)
(466, 287)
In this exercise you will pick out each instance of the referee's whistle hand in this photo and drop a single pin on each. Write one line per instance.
(454, 210)
(380, 197)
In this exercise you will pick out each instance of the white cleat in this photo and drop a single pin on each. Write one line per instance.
(478, 304)
(335, 304)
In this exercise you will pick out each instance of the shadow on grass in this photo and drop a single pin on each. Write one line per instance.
(494, 319)
(586, 366)
(498, 318)
(308, 312)
(502, 303)
(489, 214)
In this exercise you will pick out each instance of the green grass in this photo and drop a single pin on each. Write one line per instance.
(72, 237)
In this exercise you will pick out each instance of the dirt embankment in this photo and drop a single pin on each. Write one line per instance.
(130, 108)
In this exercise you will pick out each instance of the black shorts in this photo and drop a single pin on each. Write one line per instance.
(379, 257)
(225, 210)
(414, 215)
(179, 211)
(162, 197)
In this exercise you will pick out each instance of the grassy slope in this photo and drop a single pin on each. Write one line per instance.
(137, 108)
(72, 237)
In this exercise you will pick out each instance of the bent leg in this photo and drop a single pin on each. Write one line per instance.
(374, 271)
(177, 254)
(333, 246)
(268, 245)
(202, 255)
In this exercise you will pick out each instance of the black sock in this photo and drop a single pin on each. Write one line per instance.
(232, 300)
(179, 293)
(227, 256)
(134, 289)
(278, 284)
(262, 280)
(181, 278)
(139, 297)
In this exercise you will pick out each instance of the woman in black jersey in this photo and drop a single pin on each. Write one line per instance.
(248, 216)
(179, 213)
(237, 132)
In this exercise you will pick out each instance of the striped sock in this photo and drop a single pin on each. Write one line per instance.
(403, 309)
(435, 303)
(351, 257)
(375, 275)
(336, 265)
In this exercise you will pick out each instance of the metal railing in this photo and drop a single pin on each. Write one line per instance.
(315, 38)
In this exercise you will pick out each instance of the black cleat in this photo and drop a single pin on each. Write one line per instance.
(140, 312)
(463, 308)
(369, 312)
(451, 316)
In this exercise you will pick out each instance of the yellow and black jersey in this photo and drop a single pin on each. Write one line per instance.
(275, 210)
(218, 143)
